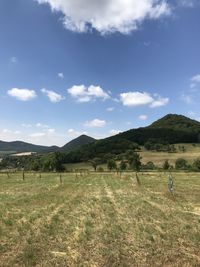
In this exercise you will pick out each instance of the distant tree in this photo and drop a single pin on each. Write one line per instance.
(196, 165)
(181, 164)
(95, 162)
(166, 165)
(111, 165)
(150, 165)
(134, 160)
(100, 169)
(123, 165)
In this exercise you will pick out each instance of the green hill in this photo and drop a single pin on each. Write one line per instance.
(171, 129)
(19, 146)
(177, 122)
(77, 142)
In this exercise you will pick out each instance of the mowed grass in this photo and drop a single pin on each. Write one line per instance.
(99, 220)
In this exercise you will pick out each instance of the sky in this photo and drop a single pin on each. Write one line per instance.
(95, 67)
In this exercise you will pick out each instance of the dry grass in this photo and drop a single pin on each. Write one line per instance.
(99, 220)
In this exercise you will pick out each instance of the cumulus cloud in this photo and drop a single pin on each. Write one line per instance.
(107, 16)
(61, 75)
(95, 123)
(110, 109)
(53, 96)
(161, 101)
(134, 99)
(142, 117)
(195, 81)
(114, 132)
(22, 94)
(86, 94)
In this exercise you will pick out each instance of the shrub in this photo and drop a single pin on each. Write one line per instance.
(181, 164)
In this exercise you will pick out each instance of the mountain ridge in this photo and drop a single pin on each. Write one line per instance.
(172, 128)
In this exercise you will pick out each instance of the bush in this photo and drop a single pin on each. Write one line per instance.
(100, 169)
(181, 164)
(196, 165)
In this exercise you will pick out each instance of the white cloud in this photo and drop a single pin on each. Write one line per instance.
(41, 125)
(159, 102)
(53, 96)
(73, 133)
(110, 109)
(188, 3)
(22, 94)
(107, 16)
(51, 131)
(37, 134)
(134, 99)
(61, 75)
(196, 79)
(114, 132)
(6, 131)
(188, 99)
(142, 117)
(95, 123)
(26, 125)
(85, 94)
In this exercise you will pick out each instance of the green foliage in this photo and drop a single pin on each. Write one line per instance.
(100, 169)
(149, 166)
(123, 165)
(181, 164)
(111, 165)
(95, 162)
(196, 165)
(134, 161)
(166, 165)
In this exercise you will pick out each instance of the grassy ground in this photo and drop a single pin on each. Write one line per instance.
(99, 220)
(191, 153)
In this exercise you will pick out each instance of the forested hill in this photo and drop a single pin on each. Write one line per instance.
(171, 129)
(19, 146)
(177, 122)
(77, 142)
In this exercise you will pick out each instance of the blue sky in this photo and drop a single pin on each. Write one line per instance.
(96, 67)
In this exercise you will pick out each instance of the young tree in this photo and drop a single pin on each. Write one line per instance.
(181, 164)
(95, 162)
(123, 165)
(135, 161)
(166, 165)
(196, 165)
(111, 165)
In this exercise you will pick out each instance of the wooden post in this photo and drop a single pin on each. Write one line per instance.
(61, 181)
(23, 176)
(137, 179)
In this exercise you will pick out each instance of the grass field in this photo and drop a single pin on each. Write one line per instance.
(99, 220)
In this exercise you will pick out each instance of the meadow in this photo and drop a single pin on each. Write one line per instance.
(99, 219)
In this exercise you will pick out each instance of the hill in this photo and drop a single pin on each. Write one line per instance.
(19, 146)
(77, 142)
(171, 129)
(177, 122)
